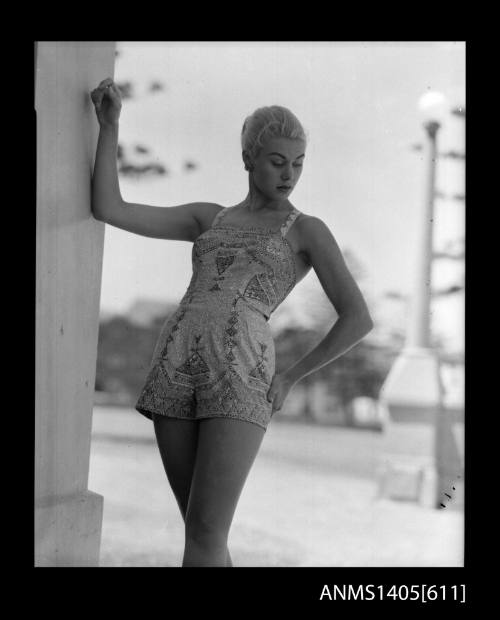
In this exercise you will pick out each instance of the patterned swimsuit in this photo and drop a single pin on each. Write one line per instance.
(215, 354)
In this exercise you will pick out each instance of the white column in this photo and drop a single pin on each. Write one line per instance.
(69, 247)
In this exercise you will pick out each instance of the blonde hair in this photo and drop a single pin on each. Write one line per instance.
(273, 121)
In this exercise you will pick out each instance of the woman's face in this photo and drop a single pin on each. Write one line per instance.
(278, 166)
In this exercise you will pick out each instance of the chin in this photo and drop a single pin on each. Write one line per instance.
(282, 195)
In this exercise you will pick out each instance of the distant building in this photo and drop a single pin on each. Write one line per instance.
(143, 312)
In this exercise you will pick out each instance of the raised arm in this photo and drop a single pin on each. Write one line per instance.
(106, 197)
(183, 222)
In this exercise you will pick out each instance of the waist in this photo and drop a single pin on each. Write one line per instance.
(213, 307)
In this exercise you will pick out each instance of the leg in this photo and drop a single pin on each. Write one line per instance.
(225, 453)
(177, 440)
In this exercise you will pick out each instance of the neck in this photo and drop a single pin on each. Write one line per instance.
(257, 201)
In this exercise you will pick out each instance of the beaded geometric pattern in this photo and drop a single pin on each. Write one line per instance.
(215, 354)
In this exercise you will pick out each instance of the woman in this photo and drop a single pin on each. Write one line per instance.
(212, 389)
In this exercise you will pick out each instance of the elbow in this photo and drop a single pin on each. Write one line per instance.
(362, 320)
(96, 214)
(366, 322)
(105, 212)
(368, 325)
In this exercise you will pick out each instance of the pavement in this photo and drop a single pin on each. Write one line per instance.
(310, 499)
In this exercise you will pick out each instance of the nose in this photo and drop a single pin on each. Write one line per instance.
(286, 173)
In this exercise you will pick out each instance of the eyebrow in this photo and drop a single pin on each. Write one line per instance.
(303, 155)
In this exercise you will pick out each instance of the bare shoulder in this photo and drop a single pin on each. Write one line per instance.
(313, 234)
(309, 224)
(325, 256)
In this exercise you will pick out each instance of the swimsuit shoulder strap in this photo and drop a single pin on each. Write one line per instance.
(219, 216)
(292, 216)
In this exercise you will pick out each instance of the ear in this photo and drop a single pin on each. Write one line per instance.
(247, 160)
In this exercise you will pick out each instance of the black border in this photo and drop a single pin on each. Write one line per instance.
(285, 587)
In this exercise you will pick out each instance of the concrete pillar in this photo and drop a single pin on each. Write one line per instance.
(69, 248)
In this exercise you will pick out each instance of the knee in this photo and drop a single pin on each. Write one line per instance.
(204, 530)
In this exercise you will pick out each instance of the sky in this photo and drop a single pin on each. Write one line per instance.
(358, 102)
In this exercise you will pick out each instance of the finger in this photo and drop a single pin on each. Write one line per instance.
(105, 82)
(118, 93)
(104, 89)
(96, 97)
(112, 94)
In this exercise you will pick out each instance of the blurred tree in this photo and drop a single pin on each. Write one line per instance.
(394, 295)
(190, 165)
(359, 372)
(156, 87)
(126, 166)
(452, 155)
(455, 249)
(291, 344)
(124, 353)
(142, 150)
(450, 252)
(448, 290)
(139, 171)
(125, 350)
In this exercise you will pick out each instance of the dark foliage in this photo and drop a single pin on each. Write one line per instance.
(125, 350)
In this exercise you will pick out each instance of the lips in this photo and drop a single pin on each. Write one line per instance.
(284, 187)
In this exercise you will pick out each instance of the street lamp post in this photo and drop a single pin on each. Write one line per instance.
(432, 106)
(413, 391)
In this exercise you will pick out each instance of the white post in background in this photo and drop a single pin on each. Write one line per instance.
(413, 390)
(69, 249)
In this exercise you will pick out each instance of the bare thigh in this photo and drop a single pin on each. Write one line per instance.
(177, 441)
(225, 453)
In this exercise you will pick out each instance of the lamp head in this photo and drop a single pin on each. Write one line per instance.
(433, 108)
